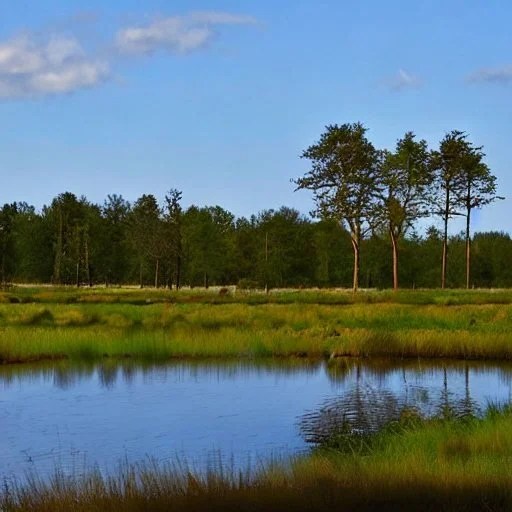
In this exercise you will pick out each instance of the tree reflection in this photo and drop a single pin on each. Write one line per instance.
(366, 407)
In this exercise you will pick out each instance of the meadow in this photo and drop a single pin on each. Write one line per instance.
(38, 324)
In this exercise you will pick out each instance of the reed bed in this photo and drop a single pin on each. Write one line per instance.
(162, 331)
(412, 464)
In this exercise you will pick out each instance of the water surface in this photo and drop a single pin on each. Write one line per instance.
(205, 413)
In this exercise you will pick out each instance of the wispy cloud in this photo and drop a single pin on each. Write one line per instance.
(404, 80)
(33, 68)
(499, 75)
(177, 34)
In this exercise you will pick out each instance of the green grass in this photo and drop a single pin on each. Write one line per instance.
(412, 464)
(161, 331)
(135, 296)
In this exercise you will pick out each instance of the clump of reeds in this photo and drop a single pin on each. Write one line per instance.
(76, 318)
(41, 316)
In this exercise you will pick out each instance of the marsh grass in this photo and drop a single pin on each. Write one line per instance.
(37, 331)
(410, 464)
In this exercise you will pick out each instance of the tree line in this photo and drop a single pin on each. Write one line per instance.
(366, 189)
(75, 242)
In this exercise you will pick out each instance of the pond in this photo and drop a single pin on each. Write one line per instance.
(212, 413)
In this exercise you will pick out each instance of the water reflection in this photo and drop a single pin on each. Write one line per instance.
(343, 369)
(375, 393)
(65, 374)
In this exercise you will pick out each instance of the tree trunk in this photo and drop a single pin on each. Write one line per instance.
(468, 236)
(355, 239)
(445, 239)
(443, 269)
(468, 251)
(141, 284)
(157, 265)
(78, 274)
(206, 280)
(394, 243)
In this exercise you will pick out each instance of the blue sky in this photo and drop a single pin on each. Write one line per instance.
(219, 98)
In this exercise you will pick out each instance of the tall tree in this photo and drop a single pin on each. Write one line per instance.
(247, 245)
(146, 235)
(7, 247)
(491, 267)
(477, 189)
(115, 214)
(332, 247)
(33, 235)
(173, 221)
(345, 180)
(208, 245)
(92, 240)
(66, 215)
(448, 164)
(285, 254)
(407, 180)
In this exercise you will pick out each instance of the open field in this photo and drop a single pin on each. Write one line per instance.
(412, 464)
(63, 323)
(229, 295)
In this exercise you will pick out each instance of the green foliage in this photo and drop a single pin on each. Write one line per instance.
(7, 240)
(208, 246)
(346, 181)
(113, 252)
(173, 236)
(145, 233)
(407, 180)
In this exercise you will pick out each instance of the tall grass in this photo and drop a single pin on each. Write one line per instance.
(439, 464)
(161, 331)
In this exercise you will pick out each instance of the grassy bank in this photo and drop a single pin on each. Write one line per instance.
(92, 330)
(413, 464)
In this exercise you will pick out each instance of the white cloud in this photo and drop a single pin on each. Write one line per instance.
(177, 34)
(30, 68)
(502, 75)
(404, 80)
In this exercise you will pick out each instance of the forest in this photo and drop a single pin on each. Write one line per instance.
(364, 232)
(72, 241)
